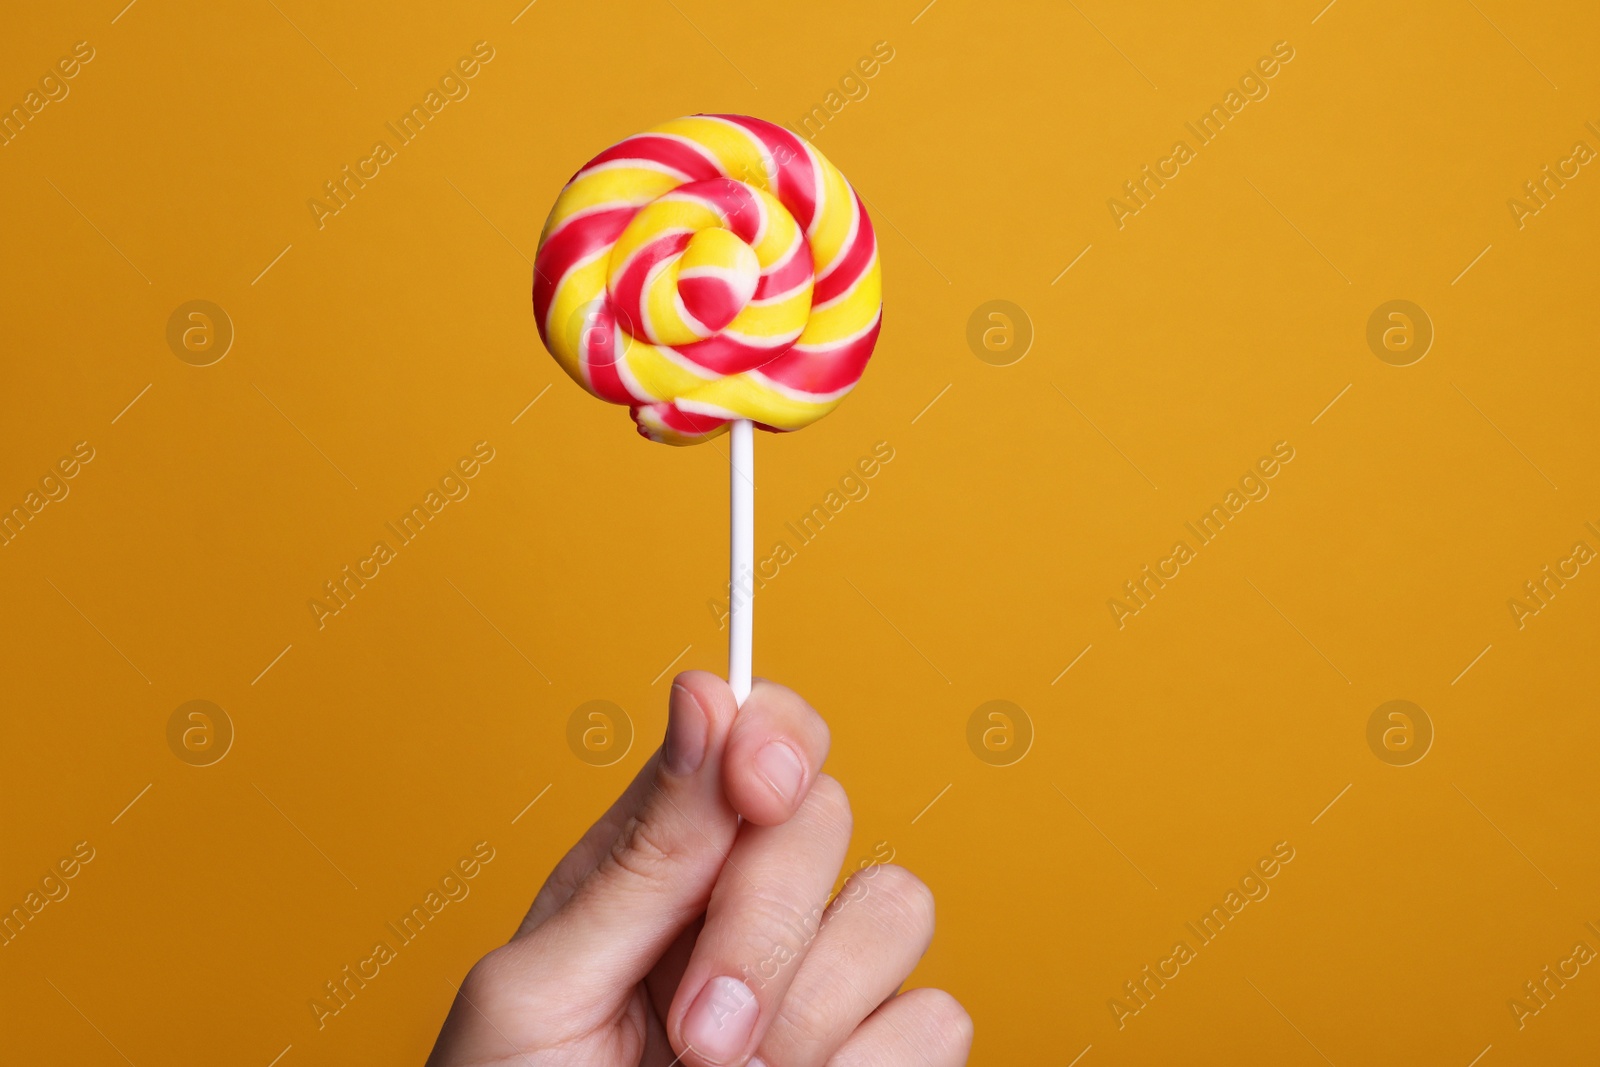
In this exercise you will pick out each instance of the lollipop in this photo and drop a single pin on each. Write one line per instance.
(714, 271)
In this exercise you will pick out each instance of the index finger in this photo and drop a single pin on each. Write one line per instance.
(775, 752)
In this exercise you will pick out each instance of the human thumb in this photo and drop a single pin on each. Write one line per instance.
(661, 867)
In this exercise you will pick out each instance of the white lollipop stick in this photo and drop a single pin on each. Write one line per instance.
(741, 556)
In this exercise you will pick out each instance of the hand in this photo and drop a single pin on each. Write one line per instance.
(674, 933)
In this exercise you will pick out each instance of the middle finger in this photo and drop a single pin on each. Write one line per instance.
(763, 915)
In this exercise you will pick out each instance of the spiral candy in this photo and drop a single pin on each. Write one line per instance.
(714, 268)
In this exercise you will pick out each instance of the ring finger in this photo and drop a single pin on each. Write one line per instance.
(918, 1028)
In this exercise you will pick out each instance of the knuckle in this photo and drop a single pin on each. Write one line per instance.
(902, 893)
(782, 920)
(644, 848)
(805, 1020)
(487, 976)
(947, 1021)
(830, 804)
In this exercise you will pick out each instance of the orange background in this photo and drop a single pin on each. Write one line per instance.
(1223, 317)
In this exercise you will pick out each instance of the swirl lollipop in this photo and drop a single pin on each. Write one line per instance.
(714, 271)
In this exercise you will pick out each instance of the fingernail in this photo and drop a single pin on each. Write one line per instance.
(685, 746)
(721, 1019)
(781, 768)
